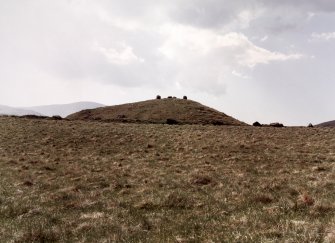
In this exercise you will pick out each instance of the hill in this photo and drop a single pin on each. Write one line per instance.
(12, 111)
(327, 124)
(158, 111)
(63, 110)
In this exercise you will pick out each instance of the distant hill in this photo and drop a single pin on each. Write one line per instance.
(12, 111)
(158, 111)
(63, 110)
(327, 124)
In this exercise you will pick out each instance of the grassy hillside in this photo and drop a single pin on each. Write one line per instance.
(327, 124)
(75, 181)
(158, 111)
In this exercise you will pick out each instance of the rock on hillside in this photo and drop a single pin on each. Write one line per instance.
(327, 124)
(179, 111)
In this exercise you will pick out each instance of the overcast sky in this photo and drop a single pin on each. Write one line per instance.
(264, 60)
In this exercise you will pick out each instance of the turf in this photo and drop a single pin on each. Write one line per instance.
(76, 181)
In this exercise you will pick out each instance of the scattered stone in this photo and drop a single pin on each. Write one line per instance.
(217, 123)
(57, 117)
(121, 116)
(171, 121)
(169, 97)
(28, 183)
(319, 168)
(48, 168)
(34, 117)
(201, 180)
(276, 124)
(264, 199)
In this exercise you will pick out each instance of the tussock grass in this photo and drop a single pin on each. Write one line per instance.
(66, 181)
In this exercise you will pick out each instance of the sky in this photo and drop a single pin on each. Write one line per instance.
(256, 60)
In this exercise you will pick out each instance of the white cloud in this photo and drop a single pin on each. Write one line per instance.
(323, 36)
(254, 55)
(240, 75)
(310, 15)
(265, 38)
(123, 56)
(207, 60)
(183, 44)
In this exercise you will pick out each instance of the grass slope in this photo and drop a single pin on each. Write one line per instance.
(327, 124)
(158, 111)
(111, 182)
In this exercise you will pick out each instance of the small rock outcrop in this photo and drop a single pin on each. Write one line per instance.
(184, 97)
(34, 117)
(276, 124)
(171, 121)
(257, 124)
(121, 116)
(158, 97)
(217, 123)
(56, 117)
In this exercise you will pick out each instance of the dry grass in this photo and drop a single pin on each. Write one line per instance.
(63, 181)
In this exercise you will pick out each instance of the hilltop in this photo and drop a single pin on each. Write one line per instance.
(158, 111)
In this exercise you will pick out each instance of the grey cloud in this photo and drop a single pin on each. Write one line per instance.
(211, 13)
(271, 16)
(303, 5)
(61, 42)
